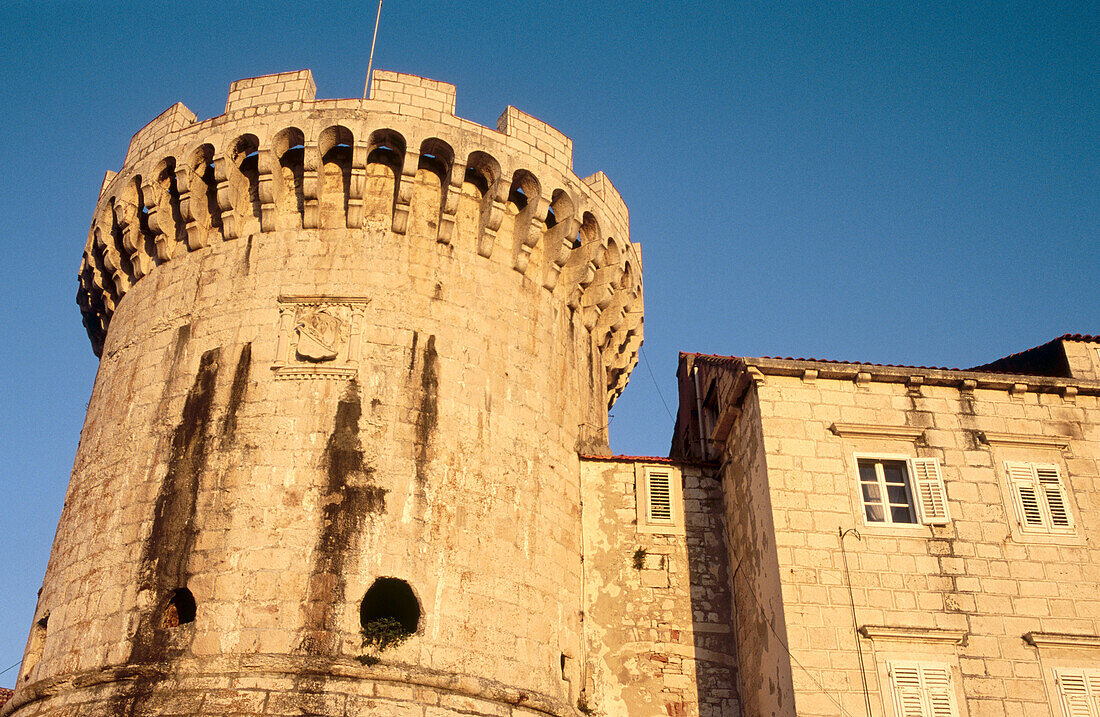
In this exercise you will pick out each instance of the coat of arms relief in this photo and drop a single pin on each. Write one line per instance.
(319, 336)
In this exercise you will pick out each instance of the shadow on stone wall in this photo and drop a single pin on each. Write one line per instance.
(711, 602)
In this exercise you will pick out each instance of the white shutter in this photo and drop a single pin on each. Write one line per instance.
(1055, 494)
(660, 497)
(931, 494)
(1073, 687)
(937, 685)
(1025, 493)
(922, 690)
(905, 678)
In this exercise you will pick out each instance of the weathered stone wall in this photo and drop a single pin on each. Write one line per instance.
(657, 603)
(758, 613)
(964, 594)
(331, 358)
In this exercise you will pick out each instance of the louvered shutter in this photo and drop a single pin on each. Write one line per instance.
(937, 686)
(905, 678)
(1050, 483)
(1025, 492)
(660, 498)
(1074, 690)
(931, 494)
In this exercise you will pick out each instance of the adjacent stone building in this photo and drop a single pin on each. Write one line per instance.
(346, 454)
(907, 540)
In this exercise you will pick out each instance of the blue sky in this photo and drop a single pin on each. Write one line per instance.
(891, 182)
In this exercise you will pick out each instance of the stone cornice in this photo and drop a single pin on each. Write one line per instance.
(1061, 639)
(913, 634)
(956, 378)
(1020, 439)
(867, 430)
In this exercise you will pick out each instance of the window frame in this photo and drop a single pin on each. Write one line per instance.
(885, 502)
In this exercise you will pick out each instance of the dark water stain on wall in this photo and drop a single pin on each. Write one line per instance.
(236, 394)
(427, 414)
(165, 554)
(348, 499)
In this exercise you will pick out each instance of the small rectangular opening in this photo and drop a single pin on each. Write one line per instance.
(660, 498)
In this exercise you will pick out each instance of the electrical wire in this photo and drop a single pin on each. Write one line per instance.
(10, 668)
(783, 644)
(659, 395)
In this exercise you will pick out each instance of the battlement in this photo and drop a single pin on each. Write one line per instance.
(413, 91)
(261, 167)
(271, 89)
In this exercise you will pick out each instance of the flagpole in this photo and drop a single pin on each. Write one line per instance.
(370, 62)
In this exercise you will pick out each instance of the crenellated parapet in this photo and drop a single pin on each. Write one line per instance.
(281, 160)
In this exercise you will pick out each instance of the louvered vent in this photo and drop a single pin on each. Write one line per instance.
(660, 498)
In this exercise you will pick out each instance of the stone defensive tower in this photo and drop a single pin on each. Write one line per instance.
(349, 352)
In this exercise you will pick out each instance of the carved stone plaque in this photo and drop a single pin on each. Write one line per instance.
(319, 336)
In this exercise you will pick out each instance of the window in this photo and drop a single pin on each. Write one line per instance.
(900, 490)
(1040, 497)
(922, 689)
(1079, 691)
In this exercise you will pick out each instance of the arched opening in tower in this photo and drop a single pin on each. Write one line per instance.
(390, 602)
(181, 608)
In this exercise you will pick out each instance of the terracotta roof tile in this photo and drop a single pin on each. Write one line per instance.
(717, 358)
(1016, 363)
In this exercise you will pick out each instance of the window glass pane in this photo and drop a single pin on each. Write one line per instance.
(897, 494)
(871, 493)
(901, 514)
(895, 471)
(867, 471)
(875, 514)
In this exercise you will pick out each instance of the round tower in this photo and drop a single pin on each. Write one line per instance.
(349, 351)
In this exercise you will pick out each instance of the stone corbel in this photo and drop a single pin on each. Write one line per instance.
(225, 199)
(585, 274)
(152, 196)
(112, 260)
(452, 192)
(406, 182)
(494, 215)
(311, 206)
(559, 242)
(356, 186)
(129, 225)
(266, 169)
(184, 182)
(529, 234)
